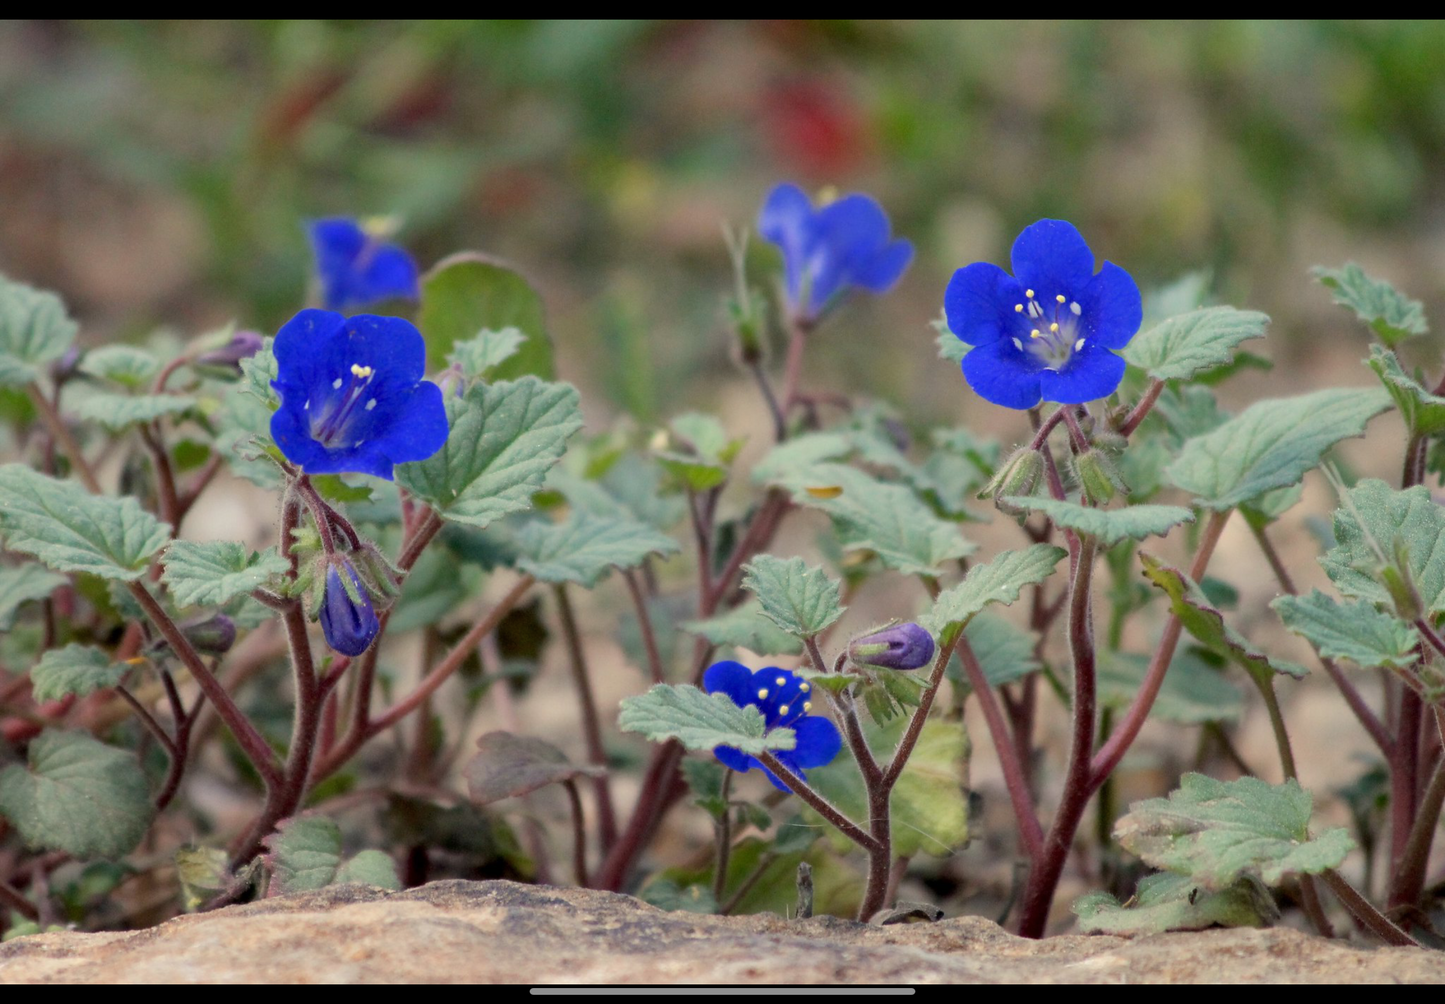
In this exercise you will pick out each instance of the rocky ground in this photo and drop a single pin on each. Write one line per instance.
(489, 932)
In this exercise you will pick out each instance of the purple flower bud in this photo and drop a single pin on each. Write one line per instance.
(898, 646)
(64, 368)
(214, 636)
(243, 345)
(347, 617)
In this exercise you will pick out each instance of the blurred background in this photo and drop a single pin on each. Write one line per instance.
(158, 173)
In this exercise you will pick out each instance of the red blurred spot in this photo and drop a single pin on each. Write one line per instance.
(815, 128)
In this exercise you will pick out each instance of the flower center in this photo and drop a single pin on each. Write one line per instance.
(335, 420)
(1048, 330)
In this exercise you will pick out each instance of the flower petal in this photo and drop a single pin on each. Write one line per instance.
(786, 220)
(1000, 373)
(818, 742)
(979, 303)
(390, 273)
(421, 427)
(733, 679)
(735, 758)
(1050, 257)
(337, 243)
(846, 234)
(291, 429)
(1112, 308)
(298, 361)
(879, 273)
(1092, 373)
(391, 346)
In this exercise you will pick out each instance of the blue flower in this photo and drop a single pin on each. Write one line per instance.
(347, 617)
(1049, 331)
(898, 646)
(828, 250)
(356, 268)
(352, 396)
(782, 697)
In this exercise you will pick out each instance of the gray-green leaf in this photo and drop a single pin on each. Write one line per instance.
(800, 600)
(746, 626)
(998, 581)
(700, 721)
(507, 765)
(22, 585)
(1165, 901)
(1409, 520)
(74, 669)
(1424, 412)
(126, 365)
(71, 530)
(305, 854)
(1193, 691)
(1191, 343)
(1109, 526)
(1355, 631)
(584, 548)
(1390, 314)
(479, 355)
(215, 572)
(34, 331)
(116, 411)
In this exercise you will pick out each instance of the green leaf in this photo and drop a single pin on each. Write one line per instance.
(1191, 343)
(117, 411)
(215, 572)
(1424, 412)
(71, 530)
(951, 348)
(929, 806)
(702, 452)
(1004, 651)
(800, 600)
(799, 454)
(1193, 691)
(78, 795)
(74, 669)
(1374, 520)
(1219, 831)
(889, 520)
(480, 355)
(35, 330)
(1356, 631)
(126, 365)
(1271, 444)
(1109, 526)
(374, 868)
(1206, 624)
(305, 853)
(503, 438)
(700, 721)
(203, 872)
(1390, 314)
(507, 766)
(332, 488)
(746, 626)
(1168, 902)
(585, 548)
(467, 293)
(22, 585)
(998, 581)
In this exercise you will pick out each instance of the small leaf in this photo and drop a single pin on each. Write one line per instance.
(1004, 651)
(78, 795)
(1109, 526)
(1409, 520)
(1207, 625)
(22, 585)
(467, 293)
(215, 572)
(480, 355)
(332, 488)
(74, 669)
(1219, 831)
(584, 548)
(998, 581)
(1271, 444)
(1391, 315)
(1356, 631)
(203, 873)
(746, 626)
(116, 411)
(126, 365)
(800, 453)
(700, 721)
(71, 530)
(1193, 691)
(1424, 412)
(1194, 342)
(800, 600)
(503, 438)
(373, 868)
(304, 854)
(35, 330)
(1169, 902)
(507, 765)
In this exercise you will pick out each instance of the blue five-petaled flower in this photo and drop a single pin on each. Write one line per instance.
(783, 698)
(844, 244)
(1049, 331)
(347, 617)
(352, 394)
(357, 268)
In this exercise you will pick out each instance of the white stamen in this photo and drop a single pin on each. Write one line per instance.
(371, 404)
(807, 706)
(1075, 309)
(1078, 345)
(803, 687)
(336, 384)
(1018, 308)
(1018, 345)
(1029, 293)
(1054, 326)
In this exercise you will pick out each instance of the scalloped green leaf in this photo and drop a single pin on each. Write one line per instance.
(1271, 444)
(1191, 343)
(217, 571)
(1165, 901)
(1390, 314)
(584, 548)
(700, 721)
(507, 765)
(70, 530)
(126, 365)
(35, 330)
(116, 411)
(25, 584)
(77, 795)
(481, 354)
(1109, 526)
(1219, 831)
(75, 669)
(998, 581)
(1004, 650)
(1373, 522)
(369, 867)
(800, 600)
(504, 437)
(1355, 631)
(1193, 691)
(1424, 412)
(746, 626)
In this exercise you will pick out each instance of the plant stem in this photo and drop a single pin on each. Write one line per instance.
(780, 422)
(1408, 881)
(13, 899)
(170, 504)
(148, 720)
(1364, 911)
(579, 833)
(1404, 781)
(821, 805)
(724, 834)
(1076, 434)
(591, 721)
(798, 330)
(60, 432)
(1142, 409)
(644, 623)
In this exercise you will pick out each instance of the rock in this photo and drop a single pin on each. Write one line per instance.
(502, 932)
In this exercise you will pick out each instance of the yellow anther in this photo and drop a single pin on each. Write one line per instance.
(1060, 298)
(804, 687)
(1054, 326)
(1018, 308)
(357, 370)
(807, 706)
(136, 660)
(1036, 333)
(1029, 293)
(783, 710)
(781, 681)
(762, 693)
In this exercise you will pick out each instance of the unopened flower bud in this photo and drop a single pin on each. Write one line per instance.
(347, 617)
(64, 368)
(1020, 474)
(242, 345)
(1097, 475)
(213, 635)
(898, 646)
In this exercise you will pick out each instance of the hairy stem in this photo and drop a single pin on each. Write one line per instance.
(1031, 834)
(1364, 911)
(60, 432)
(821, 805)
(591, 720)
(644, 623)
(1408, 880)
(1142, 409)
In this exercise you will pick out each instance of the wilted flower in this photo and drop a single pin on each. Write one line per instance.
(1049, 331)
(355, 266)
(352, 394)
(825, 251)
(898, 646)
(783, 698)
(347, 617)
